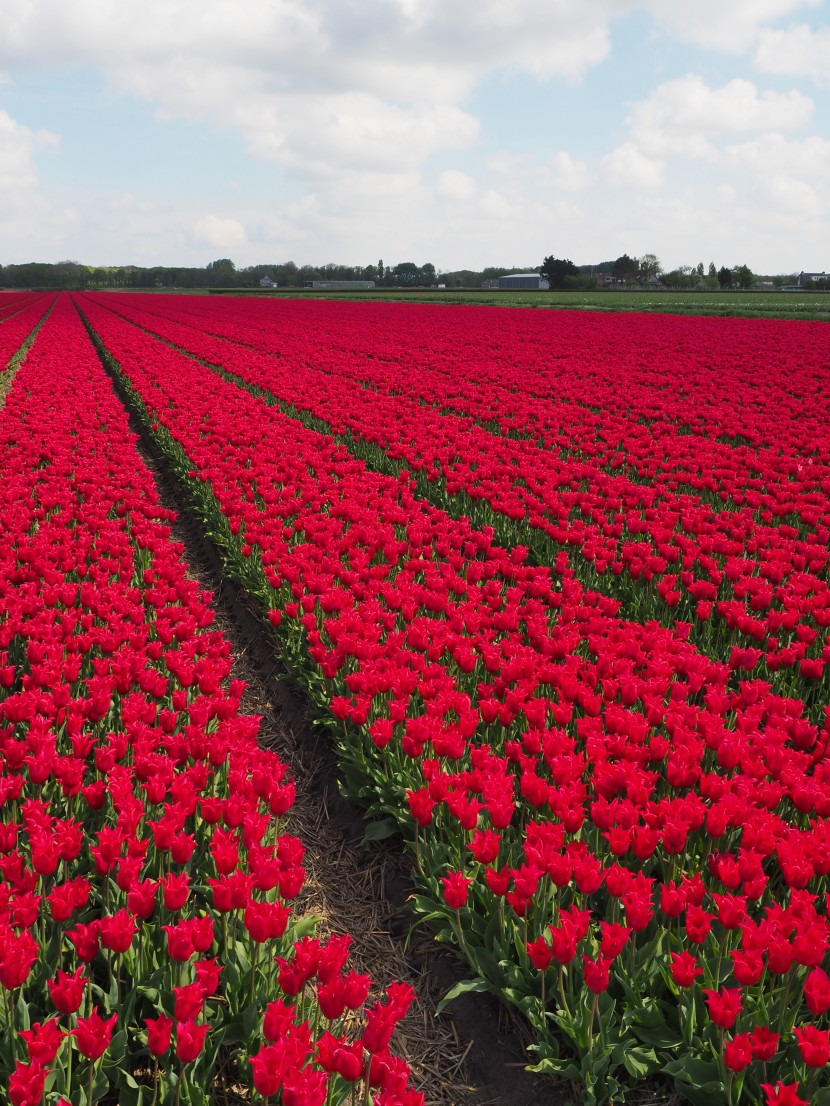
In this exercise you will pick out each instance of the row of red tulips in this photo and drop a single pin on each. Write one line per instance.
(752, 585)
(598, 380)
(626, 840)
(12, 303)
(19, 317)
(148, 946)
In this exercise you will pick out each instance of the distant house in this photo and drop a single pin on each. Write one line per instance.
(338, 284)
(803, 278)
(266, 282)
(524, 282)
(764, 286)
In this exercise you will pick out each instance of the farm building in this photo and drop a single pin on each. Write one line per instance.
(807, 278)
(523, 281)
(336, 284)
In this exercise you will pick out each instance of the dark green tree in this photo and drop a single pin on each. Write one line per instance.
(406, 274)
(626, 268)
(556, 270)
(725, 277)
(222, 273)
(649, 266)
(743, 276)
(428, 273)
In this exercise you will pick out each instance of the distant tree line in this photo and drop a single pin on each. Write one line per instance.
(647, 271)
(221, 273)
(624, 271)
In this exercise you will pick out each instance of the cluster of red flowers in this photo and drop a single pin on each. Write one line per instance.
(604, 800)
(19, 315)
(635, 458)
(145, 875)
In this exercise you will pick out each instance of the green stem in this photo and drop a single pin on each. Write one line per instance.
(784, 998)
(89, 1083)
(254, 958)
(565, 1005)
(594, 1005)
(462, 943)
(68, 1087)
(155, 1083)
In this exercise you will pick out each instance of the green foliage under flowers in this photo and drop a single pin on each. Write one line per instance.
(603, 1035)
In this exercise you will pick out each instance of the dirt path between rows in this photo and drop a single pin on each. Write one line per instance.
(472, 1054)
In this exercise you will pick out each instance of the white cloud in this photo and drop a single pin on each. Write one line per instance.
(351, 101)
(18, 145)
(326, 135)
(794, 175)
(29, 225)
(493, 203)
(744, 137)
(315, 85)
(799, 51)
(728, 25)
(684, 116)
(567, 173)
(456, 185)
(221, 232)
(809, 157)
(628, 167)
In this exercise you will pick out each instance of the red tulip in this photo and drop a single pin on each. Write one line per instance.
(596, 974)
(190, 1040)
(26, 1084)
(814, 1045)
(456, 885)
(159, 1030)
(684, 969)
(783, 1094)
(67, 991)
(43, 1040)
(93, 1034)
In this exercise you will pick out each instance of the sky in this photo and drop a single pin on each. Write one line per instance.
(465, 133)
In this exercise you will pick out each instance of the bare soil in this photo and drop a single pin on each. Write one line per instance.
(473, 1053)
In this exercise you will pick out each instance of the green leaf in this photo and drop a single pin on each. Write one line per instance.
(100, 1086)
(114, 1056)
(704, 1095)
(23, 1020)
(465, 987)
(380, 830)
(641, 1062)
(485, 964)
(564, 1068)
(304, 926)
(696, 1079)
(130, 1093)
(232, 1030)
(650, 1024)
(242, 959)
(250, 1019)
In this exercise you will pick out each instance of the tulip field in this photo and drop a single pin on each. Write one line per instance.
(147, 938)
(558, 584)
